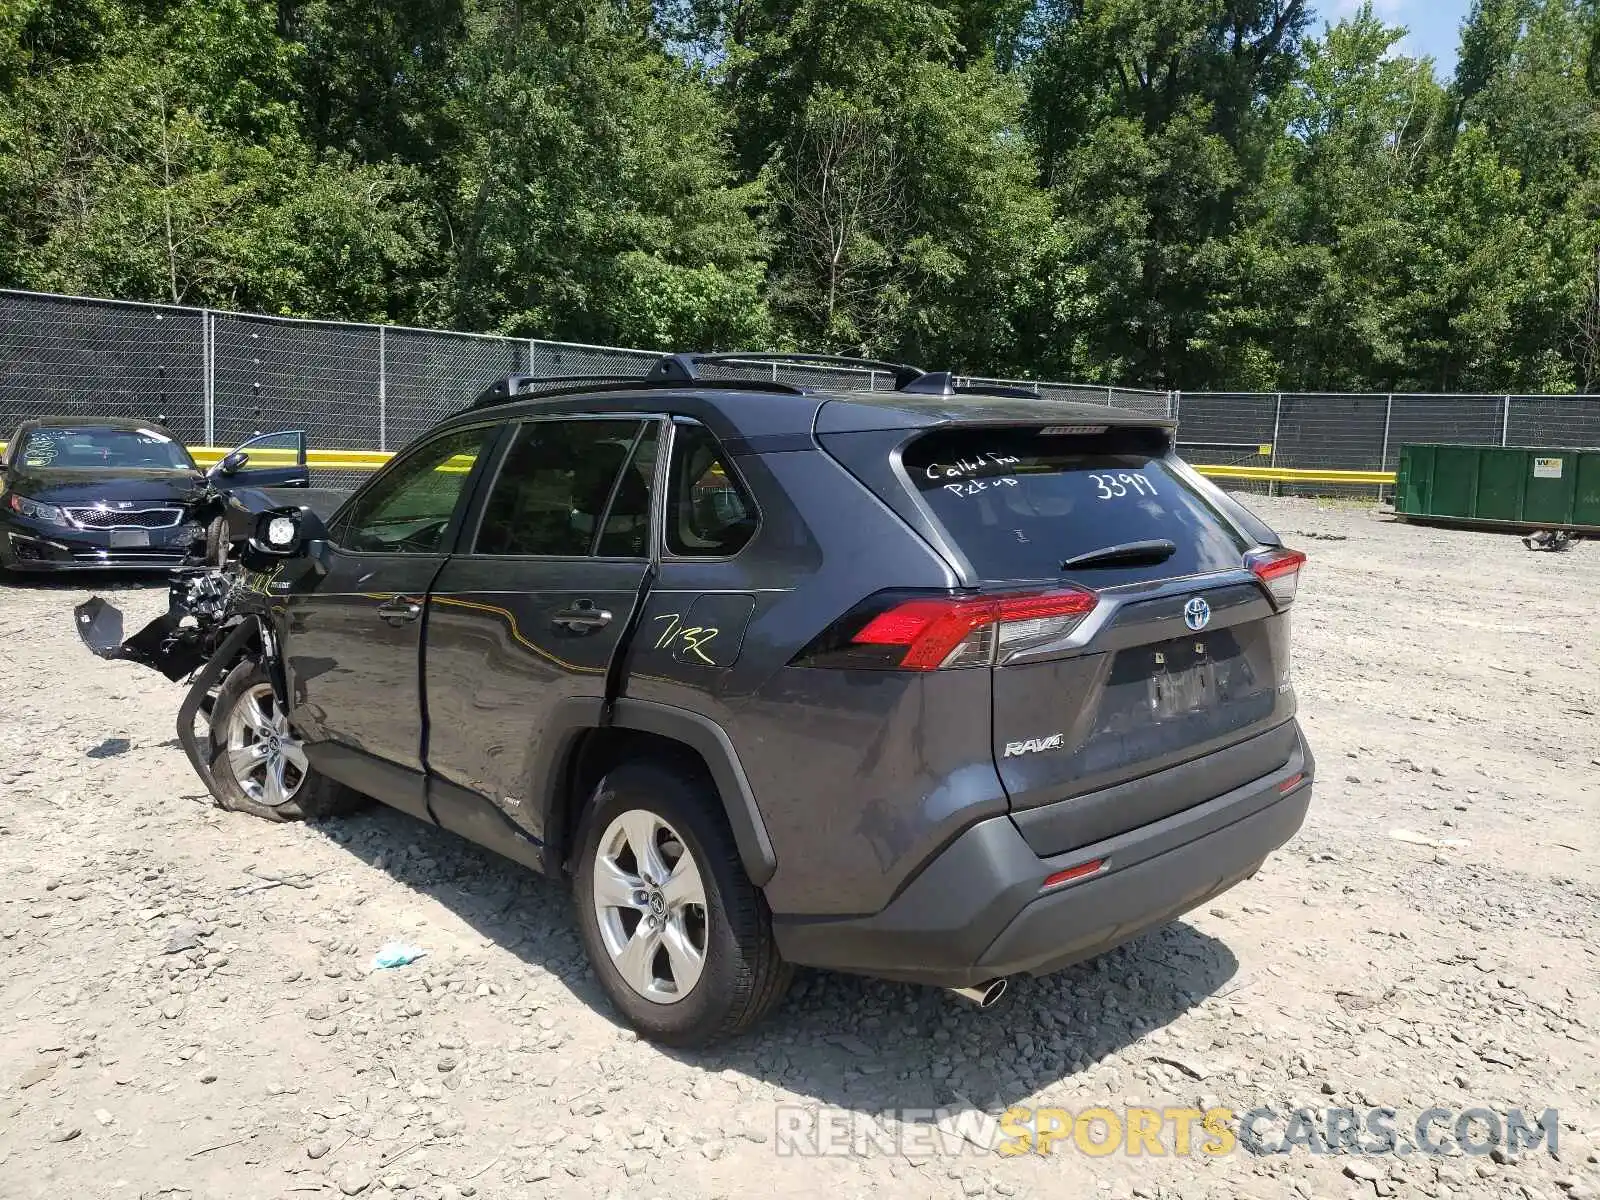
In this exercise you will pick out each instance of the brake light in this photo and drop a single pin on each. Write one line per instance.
(1279, 572)
(931, 633)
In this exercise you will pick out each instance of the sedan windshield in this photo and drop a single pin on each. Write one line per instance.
(93, 447)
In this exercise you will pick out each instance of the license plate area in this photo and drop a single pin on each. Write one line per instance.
(130, 539)
(1182, 679)
(1191, 679)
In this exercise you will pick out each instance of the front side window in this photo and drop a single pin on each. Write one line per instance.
(709, 514)
(409, 510)
(286, 448)
(562, 480)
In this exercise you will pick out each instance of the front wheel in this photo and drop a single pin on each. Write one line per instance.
(679, 936)
(258, 762)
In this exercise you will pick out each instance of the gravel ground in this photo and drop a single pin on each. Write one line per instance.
(186, 1005)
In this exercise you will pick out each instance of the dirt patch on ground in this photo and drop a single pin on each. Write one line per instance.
(187, 1005)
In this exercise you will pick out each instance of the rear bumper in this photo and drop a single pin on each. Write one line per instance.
(976, 911)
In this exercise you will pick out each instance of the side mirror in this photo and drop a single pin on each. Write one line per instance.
(232, 464)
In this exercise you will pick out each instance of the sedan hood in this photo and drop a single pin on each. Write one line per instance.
(75, 486)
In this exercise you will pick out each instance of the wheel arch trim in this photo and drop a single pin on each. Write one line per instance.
(711, 742)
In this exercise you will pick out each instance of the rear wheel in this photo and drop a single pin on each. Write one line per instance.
(679, 936)
(259, 763)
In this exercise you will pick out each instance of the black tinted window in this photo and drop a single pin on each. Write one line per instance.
(709, 513)
(627, 531)
(408, 509)
(1020, 503)
(554, 490)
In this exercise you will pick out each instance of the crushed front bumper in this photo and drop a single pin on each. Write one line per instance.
(178, 642)
(980, 910)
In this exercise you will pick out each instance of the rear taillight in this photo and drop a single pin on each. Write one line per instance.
(1279, 572)
(932, 633)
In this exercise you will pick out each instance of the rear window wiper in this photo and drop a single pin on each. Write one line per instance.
(1152, 551)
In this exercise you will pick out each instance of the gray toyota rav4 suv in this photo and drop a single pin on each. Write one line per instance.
(935, 684)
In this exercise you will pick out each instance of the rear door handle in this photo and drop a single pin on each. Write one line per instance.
(582, 617)
(399, 611)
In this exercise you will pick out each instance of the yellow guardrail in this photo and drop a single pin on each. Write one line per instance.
(1293, 475)
(341, 460)
(268, 456)
(371, 460)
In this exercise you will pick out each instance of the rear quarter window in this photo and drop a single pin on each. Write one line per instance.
(1018, 503)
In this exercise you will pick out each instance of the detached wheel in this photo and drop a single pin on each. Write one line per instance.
(679, 936)
(259, 764)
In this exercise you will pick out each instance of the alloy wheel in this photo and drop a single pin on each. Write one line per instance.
(650, 905)
(265, 758)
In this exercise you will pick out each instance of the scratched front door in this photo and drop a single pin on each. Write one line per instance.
(529, 618)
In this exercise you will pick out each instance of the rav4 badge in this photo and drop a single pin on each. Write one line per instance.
(1035, 745)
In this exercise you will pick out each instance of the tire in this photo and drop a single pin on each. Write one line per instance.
(216, 550)
(741, 976)
(245, 715)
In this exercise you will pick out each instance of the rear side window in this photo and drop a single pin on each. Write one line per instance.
(1021, 503)
(709, 514)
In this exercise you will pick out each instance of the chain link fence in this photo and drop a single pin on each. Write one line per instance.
(1364, 432)
(216, 378)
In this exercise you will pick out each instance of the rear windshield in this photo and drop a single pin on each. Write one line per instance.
(1020, 503)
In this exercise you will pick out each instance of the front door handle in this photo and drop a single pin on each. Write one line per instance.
(399, 611)
(582, 617)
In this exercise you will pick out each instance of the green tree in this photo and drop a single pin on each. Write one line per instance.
(1191, 193)
(587, 190)
(160, 161)
(1153, 122)
(1330, 239)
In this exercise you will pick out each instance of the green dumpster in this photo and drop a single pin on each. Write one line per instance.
(1513, 486)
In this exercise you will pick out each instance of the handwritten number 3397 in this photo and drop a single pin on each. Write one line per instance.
(1113, 487)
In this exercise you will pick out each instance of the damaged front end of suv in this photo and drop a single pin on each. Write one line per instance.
(216, 616)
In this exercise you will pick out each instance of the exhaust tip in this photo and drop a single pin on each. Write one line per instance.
(982, 995)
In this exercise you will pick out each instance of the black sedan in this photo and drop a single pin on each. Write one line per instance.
(81, 493)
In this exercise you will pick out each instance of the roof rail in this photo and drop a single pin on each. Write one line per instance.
(682, 368)
(943, 383)
(509, 388)
(532, 387)
(675, 370)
